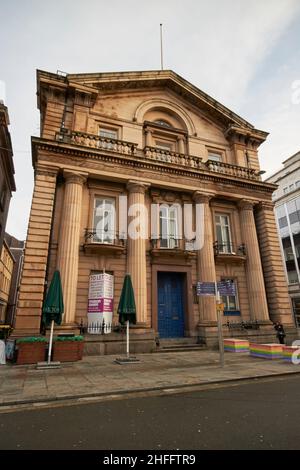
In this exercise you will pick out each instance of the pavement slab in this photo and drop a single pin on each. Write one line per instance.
(99, 375)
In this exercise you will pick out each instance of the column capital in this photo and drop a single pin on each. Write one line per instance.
(135, 186)
(74, 177)
(266, 205)
(246, 205)
(199, 197)
(46, 171)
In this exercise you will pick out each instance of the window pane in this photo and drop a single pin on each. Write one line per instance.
(108, 133)
(104, 220)
(215, 157)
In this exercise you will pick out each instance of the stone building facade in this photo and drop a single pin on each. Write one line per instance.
(287, 212)
(16, 248)
(7, 262)
(157, 140)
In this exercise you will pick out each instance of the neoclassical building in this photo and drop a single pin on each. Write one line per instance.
(154, 139)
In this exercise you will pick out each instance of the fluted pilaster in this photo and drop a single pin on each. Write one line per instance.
(136, 251)
(255, 279)
(68, 249)
(206, 262)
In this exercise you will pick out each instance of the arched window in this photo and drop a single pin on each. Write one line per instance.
(162, 122)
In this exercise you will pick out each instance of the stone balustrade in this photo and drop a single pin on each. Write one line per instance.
(156, 154)
(166, 156)
(232, 170)
(97, 142)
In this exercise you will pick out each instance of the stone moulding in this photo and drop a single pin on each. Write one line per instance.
(140, 161)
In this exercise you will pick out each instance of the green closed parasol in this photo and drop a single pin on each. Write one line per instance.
(53, 307)
(127, 308)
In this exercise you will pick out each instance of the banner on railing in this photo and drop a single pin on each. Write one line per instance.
(100, 302)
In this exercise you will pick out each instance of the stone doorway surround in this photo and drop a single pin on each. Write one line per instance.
(187, 294)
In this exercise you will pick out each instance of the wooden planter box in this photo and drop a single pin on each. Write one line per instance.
(68, 351)
(30, 353)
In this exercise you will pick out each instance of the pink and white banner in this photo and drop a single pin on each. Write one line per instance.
(100, 302)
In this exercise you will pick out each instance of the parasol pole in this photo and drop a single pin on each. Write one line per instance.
(50, 342)
(127, 338)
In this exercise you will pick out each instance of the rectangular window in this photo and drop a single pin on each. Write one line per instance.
(168, 225)
(169, 147)
(104, 220)
(214, 156)
(230, 301)
(108, 133)
(285, 190)
(223, 233)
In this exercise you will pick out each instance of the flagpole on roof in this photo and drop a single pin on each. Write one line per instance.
(161, 48)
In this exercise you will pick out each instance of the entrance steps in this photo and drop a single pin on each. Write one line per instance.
(179, 345)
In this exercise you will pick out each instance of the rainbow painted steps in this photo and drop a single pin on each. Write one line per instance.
(266, 351)
(291, 354)
(236, 345)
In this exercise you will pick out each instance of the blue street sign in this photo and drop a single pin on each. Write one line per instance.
(206, 288)
(226, 287)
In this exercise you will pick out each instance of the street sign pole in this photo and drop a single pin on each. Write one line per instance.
(219, 307)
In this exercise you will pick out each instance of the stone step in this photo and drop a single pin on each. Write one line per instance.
(180, 348)
(170, 342)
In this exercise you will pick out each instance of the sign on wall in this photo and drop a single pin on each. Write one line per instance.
(100, 303)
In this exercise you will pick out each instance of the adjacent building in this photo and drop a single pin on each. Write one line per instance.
(113, 143)
(16, 248)
(7, 262)
(7, 181)
(287, 210)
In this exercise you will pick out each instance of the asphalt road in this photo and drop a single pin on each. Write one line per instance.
(256, 415)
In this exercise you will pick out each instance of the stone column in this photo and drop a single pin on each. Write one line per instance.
(68, 247)
(181, 146)
(148, 138)
(136, 250)
(275, 280)
(255, 280)
(206, 263)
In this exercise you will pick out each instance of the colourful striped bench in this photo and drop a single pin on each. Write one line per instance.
(288, 352)
(266, 351)
(236, 345)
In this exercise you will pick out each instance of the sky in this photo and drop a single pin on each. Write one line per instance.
(243, 53)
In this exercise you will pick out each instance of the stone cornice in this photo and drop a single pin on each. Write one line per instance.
(39, 144)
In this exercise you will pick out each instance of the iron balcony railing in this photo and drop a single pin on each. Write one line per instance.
(105, 237)
(229, 248)
(170, 243)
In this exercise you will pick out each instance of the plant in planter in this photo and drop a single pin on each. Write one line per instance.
(31, 349)
(68, 348)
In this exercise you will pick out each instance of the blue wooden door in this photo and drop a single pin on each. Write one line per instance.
(170, 305)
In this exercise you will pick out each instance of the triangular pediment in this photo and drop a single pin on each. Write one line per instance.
(162, 79)
(116, 82)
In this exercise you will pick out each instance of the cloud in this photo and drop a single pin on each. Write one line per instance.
(220, 46)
